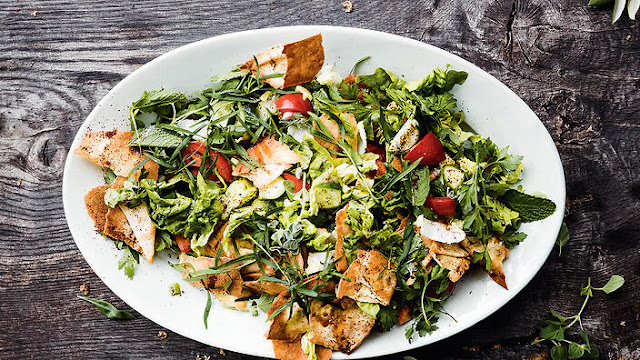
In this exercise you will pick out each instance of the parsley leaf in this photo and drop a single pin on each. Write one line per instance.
(530, 208)
(129, 259)
(387, 317)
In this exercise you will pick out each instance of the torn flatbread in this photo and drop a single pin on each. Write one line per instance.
(498, 252)
(370, 278)
(143, 228)
(290, 324)
(111, 149)
(292, 350)
(342, 230)
(299, 62)
(341, 329)
(274, 156)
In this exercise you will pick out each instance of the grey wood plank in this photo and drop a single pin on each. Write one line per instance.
(579, 73)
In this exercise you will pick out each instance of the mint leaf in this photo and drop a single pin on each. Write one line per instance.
(157, 137)
(613, 284)
(514, 239)
(530, 208)
(155, 98)
(108, 310)
(559, 352)
(576, 350)
(563, 237)
(419, 183)
(227, 76)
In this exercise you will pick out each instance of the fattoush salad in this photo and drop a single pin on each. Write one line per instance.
(338, 206)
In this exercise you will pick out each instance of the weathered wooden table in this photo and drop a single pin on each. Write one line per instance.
(579, 73)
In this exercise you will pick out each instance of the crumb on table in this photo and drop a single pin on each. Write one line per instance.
(84, 289)
(162, 335)
(348, 6)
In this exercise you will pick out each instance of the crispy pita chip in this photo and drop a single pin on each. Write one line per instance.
(299, 62)
(334, 130)
(340, 329)
(274, 156)
(111, 149)
(214, 281)
(97, 209)
(117, 227)
(288, 325)
(370, 279)
(266, 287)
(498, 252)
(292, 350)
(454, 250)
(342, 230)
(472, 245)
(456, 266)
(143, 229)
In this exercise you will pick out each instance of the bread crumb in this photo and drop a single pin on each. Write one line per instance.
(623, 323)
(34, 12)
(204, 357)
(19, 182)
(221, 352)
(496, 346)
(628, 37)
(348, 6)
(472, 348)
(84, 289)
(162, 335)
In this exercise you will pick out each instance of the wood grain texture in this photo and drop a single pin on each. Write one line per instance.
(579, 73)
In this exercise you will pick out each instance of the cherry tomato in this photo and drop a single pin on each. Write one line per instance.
(376, 149)
(297, 183)
(183, 243)
(429, 149)
(441, 205)
(192, 154)
(293, 103)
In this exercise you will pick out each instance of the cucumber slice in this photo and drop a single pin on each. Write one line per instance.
(274, 190)
(453, 176)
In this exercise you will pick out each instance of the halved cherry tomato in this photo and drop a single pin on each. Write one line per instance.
(441, 205)
(297, 183)
(350, 79)
(183, 243)
(429, 149)
(192, 153)
(376, 149)
(293, 103)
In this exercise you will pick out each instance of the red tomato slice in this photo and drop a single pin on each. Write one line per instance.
(297, 183)
(192, 154)
(376, 149)
(429, 149)
(293, 103)
(183, 243)
(441, 205)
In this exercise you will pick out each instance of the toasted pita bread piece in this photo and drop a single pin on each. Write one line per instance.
(342, 230)
(334, 130)
(111, 149)
(456, 266)
(266, 287)
(370, 279)
(292, 350)
(97, 209)
(214, 281)
(299, 62)
(117, 227)
(498, 252)
(472, 245)
(274, 156)
(143, 229)
(454, 250)
(340, 329)
(288, 325)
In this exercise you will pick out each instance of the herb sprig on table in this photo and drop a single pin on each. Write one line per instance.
(555, 330)
(108, 309)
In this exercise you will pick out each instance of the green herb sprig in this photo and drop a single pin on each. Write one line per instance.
(555, 330)
(108, 309)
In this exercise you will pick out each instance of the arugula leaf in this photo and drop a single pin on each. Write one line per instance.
(157, 137)
(530, 208)
(108, 310)
(563, 237)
